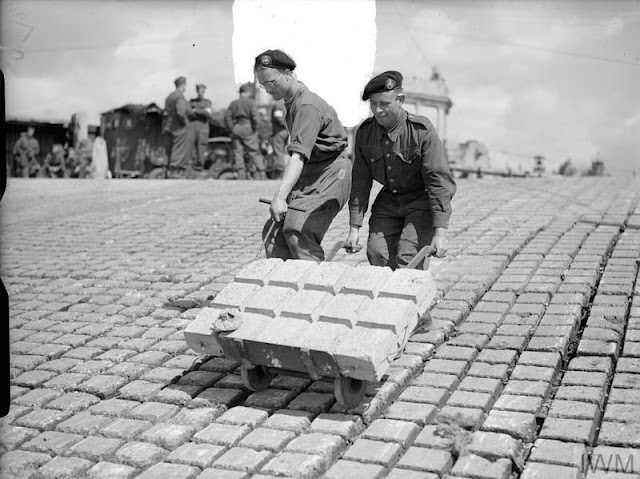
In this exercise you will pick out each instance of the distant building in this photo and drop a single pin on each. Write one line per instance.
(133, 134)
(429, 98)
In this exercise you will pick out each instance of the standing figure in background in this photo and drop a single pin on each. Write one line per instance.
(278, 140)
(25, 153)
(201, 110)
(241, 120)
(176, 127)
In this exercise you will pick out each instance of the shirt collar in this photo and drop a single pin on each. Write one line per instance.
(399, 128)
(296, 95)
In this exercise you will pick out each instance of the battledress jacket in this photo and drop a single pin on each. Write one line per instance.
(318, 136)
(406, 160)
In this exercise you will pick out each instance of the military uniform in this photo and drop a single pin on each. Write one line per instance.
(241, 120)
(26, 150)
(317, 135)
(176, 126)
(409, 161)
(279, 137)
(200, 116)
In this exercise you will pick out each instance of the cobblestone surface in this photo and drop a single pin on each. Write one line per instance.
(530, 366)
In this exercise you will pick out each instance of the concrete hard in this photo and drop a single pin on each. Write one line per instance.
(325, 320)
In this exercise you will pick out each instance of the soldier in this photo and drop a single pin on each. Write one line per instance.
(201, 110)
(241, 120)
(317, 177)
(25, 152)
(54, 163)
(402, 152)
(176, 126)
(278, 140)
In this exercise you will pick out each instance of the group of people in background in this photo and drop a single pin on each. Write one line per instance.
(63, 161)
(186, 125)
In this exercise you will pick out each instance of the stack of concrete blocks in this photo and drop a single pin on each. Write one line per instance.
(328, 319)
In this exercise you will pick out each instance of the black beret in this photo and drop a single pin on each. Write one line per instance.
(200, 85)
(180, 81)
(387, 81)
(275, 59)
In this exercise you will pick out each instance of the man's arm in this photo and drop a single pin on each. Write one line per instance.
(290, 177)
(228, 118)
(182, 111)
(440, 186)
(361, 183)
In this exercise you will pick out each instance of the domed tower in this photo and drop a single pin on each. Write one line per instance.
(422, 97)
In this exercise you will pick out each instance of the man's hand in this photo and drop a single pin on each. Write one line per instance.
(439, 242)
(278, 208)
(352, 240)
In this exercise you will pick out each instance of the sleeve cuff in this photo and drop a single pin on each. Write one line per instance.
(441, 220)
(298, 148)
(355, 219)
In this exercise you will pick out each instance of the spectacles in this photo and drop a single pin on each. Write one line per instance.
(270, 82)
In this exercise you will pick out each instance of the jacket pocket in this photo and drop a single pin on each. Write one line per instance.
(410, 155)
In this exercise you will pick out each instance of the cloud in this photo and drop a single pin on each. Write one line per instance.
(612, 26)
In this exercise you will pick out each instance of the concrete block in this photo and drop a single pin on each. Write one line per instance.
(277, 344)
(481, 468)
(234, 295)
(305, 304)
(318, 341)
(412, 284)
(569, 430)
(376, 452)
(493, 445)
(251, 325)
(267, 300)
(327, 277)
(258, 272)
(517, 424)
(366, 280)
(200, 332)
(365, 353)
(343, 309)
(535, 470)
(557, 452)
(389, 430)
(249, 322)
(429, 460)
(400, 316)
(291, 273)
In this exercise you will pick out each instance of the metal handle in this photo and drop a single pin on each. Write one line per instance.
(294, 208)
(422, 254)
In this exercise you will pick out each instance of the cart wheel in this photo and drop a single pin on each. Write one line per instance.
(348, 391)
(256, 379)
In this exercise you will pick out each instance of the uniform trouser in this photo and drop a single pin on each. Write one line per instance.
(399, 227)
(201, 140)
(300, 234)
(181, 147)
(278, 142)
(287, 241)
(22, 166)
(244, 138)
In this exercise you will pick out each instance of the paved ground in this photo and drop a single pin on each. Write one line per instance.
(530, 369)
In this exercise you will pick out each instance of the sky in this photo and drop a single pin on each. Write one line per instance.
(557, 79)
